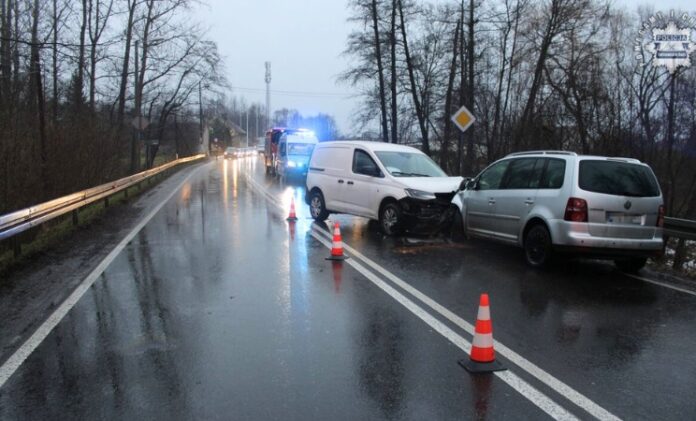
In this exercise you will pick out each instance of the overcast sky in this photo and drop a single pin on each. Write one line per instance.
(303, 39)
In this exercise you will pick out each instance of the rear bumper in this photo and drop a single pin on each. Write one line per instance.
(569, 237)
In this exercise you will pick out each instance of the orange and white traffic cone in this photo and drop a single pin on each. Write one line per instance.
(337, 246)
(482, 357)
(292, 216)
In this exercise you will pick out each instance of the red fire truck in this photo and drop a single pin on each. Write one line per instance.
(270, 151)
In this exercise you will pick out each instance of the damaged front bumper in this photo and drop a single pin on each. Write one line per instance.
(427, 215)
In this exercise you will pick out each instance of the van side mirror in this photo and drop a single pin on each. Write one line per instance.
(471, 184)
(463, 184)
(369, 170)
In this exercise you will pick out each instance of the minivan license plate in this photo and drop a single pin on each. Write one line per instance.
(620, 218)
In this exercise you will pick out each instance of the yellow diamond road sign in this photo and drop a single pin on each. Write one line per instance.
(463, 118)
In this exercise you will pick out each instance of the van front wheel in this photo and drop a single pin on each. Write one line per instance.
(390, 219)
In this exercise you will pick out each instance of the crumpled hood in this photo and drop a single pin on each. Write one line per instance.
(431, 184)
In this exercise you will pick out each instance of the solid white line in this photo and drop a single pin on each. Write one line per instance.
(531, 368)
(662, 284)
(528, 391)
(21, 354)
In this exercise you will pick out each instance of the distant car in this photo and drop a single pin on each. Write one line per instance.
(559, 202)
(397, 185)
(230, 153)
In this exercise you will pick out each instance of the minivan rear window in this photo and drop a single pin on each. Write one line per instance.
(618, 178)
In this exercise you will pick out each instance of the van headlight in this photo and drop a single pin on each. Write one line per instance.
(420, 194)
(292, 164)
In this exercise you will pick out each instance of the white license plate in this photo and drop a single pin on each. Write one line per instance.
(620, 218)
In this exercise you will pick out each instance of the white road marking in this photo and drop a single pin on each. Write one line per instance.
(20, 355)
(513, 380)
(662, 284)
(528, 366)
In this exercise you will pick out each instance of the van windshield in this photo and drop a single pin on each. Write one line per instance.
(300, 148)
(618, 178)
(409, 164)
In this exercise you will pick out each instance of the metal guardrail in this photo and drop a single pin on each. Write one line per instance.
(680, 228)
(16, 222)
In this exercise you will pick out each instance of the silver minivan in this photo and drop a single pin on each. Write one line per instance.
(552, 202)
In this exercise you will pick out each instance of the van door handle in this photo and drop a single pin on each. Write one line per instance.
(491, 201)
(350, 182)
(529, 202)
(340, 181)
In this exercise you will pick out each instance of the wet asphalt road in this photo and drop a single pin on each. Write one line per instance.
(220, 309)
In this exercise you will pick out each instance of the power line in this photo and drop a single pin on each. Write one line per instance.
(296, 93)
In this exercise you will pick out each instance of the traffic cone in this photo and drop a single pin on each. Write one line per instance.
(482, 357)
(292, 216)
(337, 246)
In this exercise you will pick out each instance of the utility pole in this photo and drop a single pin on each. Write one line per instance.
(200, 113)
(247, 126)
(268, 94)
(135, 155)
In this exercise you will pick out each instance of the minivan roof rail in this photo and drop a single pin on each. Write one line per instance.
(543, 153)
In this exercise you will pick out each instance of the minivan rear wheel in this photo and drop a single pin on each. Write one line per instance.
(537, 246)
(317, 207)
(631, 265)
(390, 219)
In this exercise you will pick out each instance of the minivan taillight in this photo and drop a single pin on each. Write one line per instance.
(661, 216)
(576, 210)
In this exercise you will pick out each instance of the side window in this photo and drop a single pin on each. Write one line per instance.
(554, 174)
(490, 178)
(364, 164)
(282, 149)
(523, 173)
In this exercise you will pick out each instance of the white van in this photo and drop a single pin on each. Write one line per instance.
(294, 149)
(397, 185)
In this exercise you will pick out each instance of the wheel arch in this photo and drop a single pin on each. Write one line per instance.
(533, 222)
(385, 200)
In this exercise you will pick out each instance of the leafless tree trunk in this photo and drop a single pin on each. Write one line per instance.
(380, 71)
(126, 63)
(80, 74)
(470, 92)
(393, 80)
(97, 23)
(447, 133)
(420, 115)
(35, 72)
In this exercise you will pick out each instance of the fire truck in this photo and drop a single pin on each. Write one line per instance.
(270, 151)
